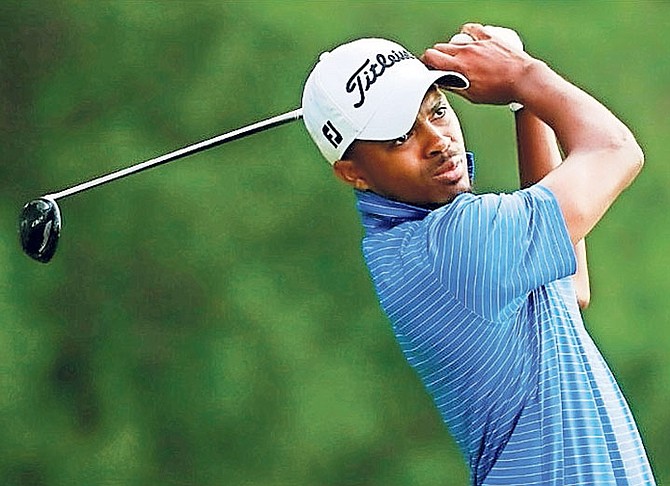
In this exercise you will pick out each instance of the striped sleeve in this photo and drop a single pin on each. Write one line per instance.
(489, 250)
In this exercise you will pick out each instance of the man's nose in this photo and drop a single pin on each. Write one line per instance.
(436, 142)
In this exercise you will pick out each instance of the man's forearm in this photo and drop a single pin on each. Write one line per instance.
(537, 150)
(602, 156)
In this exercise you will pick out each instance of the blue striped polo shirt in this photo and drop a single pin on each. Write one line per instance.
(481, 302)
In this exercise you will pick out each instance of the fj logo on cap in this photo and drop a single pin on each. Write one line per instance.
(366, 75)
(331, 134)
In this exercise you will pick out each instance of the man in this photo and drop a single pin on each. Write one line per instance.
(481, 289)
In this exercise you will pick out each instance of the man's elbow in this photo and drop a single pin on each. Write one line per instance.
(584, 300)
(633, 155)
(637, 158)
(581, 282)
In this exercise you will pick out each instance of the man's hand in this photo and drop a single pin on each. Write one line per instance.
(492, 64)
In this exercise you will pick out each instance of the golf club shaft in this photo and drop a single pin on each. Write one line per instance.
(180, 153)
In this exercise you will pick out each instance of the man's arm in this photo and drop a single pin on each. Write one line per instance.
(538, 155)
(601, 155)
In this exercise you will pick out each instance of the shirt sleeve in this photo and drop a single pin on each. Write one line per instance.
(492, 249)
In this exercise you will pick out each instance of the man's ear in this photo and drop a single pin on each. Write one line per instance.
(349, 173)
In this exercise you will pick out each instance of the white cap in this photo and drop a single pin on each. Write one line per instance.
(368, 89)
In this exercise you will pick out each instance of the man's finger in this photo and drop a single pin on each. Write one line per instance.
(439, 58)
(448, 47)
(476, 31)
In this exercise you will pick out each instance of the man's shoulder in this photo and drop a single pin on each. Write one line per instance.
(468, 213)
(468, 204)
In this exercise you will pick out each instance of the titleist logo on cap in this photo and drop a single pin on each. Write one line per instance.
(366, 75)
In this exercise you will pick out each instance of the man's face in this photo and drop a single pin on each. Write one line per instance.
(427, 166)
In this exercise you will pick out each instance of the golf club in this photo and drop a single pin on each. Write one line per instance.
(40, 219)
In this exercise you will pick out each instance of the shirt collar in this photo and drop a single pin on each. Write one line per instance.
(379, 213)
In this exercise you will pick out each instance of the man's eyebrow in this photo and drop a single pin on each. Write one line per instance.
(438, 101)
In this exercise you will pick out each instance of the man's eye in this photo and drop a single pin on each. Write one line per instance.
(441, 112)
(401, 140)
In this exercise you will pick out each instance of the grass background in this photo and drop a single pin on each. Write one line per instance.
(211, 322)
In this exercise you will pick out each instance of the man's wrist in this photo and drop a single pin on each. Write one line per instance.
(532, 79)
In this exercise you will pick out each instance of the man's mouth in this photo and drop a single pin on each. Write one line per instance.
(451, 169)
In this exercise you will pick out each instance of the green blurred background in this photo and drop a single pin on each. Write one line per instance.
(211, 322)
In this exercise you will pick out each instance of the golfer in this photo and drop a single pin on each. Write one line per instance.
(483, 291)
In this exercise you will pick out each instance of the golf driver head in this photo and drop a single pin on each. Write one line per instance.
(39, 228)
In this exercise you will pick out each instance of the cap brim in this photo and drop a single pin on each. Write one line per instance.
(397, 115)
(453, 80)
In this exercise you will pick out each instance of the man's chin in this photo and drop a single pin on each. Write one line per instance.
(467, 188)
